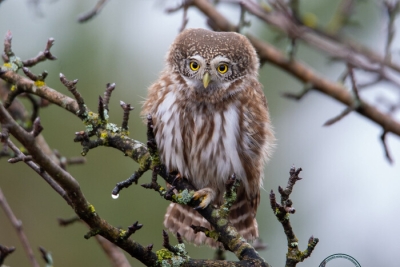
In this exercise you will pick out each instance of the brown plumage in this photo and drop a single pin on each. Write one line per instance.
(211, 120)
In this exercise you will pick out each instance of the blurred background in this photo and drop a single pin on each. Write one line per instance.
(349, 194)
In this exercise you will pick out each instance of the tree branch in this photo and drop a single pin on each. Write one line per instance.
(305, 74)
(18, 226)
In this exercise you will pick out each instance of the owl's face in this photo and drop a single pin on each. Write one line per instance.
(212, 61)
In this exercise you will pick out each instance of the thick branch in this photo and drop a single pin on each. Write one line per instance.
(82, 208)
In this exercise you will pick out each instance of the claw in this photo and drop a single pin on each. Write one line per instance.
(178, 176)
(207, 195)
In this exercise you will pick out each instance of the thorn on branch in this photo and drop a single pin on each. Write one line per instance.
(66, 222)
(149, 247)
(71, 86)
(4, 252)
(126, 108)
(386, 148)
(42, 56)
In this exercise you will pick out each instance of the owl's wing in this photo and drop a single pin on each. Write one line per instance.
(257, 139)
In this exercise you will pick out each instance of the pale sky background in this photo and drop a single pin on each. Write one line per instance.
(349, 195)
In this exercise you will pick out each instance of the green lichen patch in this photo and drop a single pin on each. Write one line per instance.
(91, 208)
(184, 197)
(212, 234)
(222, 222)
(112, 127)
(163, 254)
(167, 258)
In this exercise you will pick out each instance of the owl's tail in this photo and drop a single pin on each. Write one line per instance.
(179, 218)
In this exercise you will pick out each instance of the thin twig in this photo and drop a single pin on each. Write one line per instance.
(20, 232)
(385, 146)
(90, 14)
(39, 171)
(42, 56)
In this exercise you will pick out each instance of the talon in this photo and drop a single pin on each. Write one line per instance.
(207, 195)
(177, 177)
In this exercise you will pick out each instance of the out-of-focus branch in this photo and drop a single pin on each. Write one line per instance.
(269, 53)
(90, 14)
(337, 47)
(82, 207)
(18, 226)
(115, 255)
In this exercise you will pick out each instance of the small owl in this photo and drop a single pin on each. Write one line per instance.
(211, 120)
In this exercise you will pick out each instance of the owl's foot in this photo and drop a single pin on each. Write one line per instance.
(207, 195)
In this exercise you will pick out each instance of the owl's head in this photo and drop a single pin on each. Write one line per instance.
(210, 61)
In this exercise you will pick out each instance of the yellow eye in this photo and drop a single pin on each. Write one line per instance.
(223, 68)
(194, 65)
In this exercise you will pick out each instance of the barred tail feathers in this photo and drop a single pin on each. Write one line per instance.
(179, 218)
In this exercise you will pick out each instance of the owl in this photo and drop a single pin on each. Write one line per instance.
(211, 120)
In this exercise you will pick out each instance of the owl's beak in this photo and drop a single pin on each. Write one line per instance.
(206, 79)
